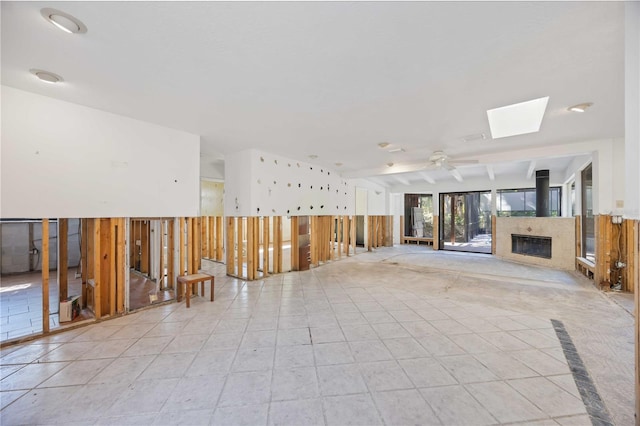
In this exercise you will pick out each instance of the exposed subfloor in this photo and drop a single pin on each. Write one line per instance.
(401, 335)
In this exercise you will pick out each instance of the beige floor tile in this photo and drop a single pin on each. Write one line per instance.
(453, 405)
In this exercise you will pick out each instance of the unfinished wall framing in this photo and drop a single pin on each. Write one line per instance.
(380, 232)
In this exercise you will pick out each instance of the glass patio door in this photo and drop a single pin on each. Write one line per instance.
(465, 222)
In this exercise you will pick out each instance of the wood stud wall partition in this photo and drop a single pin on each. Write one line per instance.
(250, 240)
(380, 232)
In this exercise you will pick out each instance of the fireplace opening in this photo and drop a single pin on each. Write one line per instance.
(531, 245)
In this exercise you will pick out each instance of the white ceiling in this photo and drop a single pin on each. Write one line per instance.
(334, 79)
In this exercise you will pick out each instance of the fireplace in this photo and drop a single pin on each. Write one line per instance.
(531, 245)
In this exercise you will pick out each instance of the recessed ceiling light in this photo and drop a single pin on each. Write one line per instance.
(338, 164)
(389, 164)
(63, 21)
(580, 107)
(383, 144)
(46, 76)
(313, 156)
(394, 150)
(517, 119)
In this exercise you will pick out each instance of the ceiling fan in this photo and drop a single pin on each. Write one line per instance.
(440, 160)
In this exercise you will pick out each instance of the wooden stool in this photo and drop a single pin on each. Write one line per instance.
(189, 281)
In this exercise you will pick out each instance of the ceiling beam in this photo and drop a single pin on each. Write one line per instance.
(532, 168)
(426, 177)
(490, 172)
(402, 180)
(456, 174)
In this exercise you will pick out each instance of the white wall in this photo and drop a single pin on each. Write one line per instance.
(632, 109)
(263, 184)
(65, 160)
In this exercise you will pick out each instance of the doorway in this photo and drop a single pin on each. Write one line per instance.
(465, 222)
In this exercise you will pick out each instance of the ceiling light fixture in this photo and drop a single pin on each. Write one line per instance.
(580, 107)
(46, 76)
(338, 164)
(474, 137)
(313, 156)
(389, 164)
(394, 150)
(63, 21)
(383, 144)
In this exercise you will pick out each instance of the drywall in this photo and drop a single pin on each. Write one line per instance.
(65, 160)
(560, 229)
(211, 198)
(632, 109)
(263, 184)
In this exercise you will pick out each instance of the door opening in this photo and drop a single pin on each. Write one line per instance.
(465, 222)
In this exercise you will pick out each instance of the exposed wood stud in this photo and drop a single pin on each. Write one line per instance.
(295, 244)
(219, 239)
(97, 260)
(240, 248)
(190, 255)
(45, 275)
(436, 232)
(63, 258)
(181, 253)
(265, 246)
(112, 283)
(171, 244)
(120, 266)
(230, 245)
(250, 251)
(84, 258)
(493, 234)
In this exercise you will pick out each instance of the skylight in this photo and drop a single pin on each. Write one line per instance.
(517, 119)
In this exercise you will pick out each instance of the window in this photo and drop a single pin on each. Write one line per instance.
(522, 202)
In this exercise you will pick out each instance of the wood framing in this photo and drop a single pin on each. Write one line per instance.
(112, 283)
(230, 245)
(352, 227)
(219, 239)
(436, 232)
(45, 275)
(277, 244)
(251, 243)
(401, 229)
(493, 234)
(97, 289)
(603, 229)
(84, 258)
(634, 253)
(170, 253)
(190, 247)
(265, 246)
(181, 230)
(120, 266)
(63, 258)
(240, 247)
(295, 244)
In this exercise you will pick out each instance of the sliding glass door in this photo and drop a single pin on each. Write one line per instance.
(465, 222)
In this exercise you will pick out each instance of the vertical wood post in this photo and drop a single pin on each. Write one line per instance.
(250, 249)
(347, 234)
(121, 270)
(277, 244)
(240, 246)
(112, 266)
(493, 234)
(353, 233)
(295, 244)
(84, 257)
(436, 232)
(45, 275)
(265, 246)
(190, 246)
(211, 246)
(402, 230)
(171, 244)
(63, 258)
(97, 278)
(219, 239)
(181, 248)
(230, 245)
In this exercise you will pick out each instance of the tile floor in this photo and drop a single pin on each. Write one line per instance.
(379, 338)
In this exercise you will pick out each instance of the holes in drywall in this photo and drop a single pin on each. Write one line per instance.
(289, 184)
(258, 209)
(311, 207)
(289, 164)
(275, 161)
(274, 182)
(262, 159)
(322, 206)
(298, 164)
(299, 185)
(287, 211)
(298, 208)
(259, 181)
